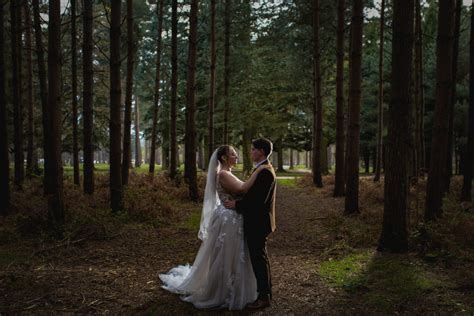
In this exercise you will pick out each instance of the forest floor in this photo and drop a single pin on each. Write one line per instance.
(322, 262)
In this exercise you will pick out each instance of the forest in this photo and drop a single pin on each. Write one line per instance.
(110, 111)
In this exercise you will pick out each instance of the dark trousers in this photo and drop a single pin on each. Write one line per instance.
(261, 267)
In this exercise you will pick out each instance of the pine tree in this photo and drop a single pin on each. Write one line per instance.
(56, 199)
(156, 102)
(190, 136)
(116, 193)
(437, 174)
(394, 231)
(317, 102)
(339, 176)
(353, 132)
(4, 159)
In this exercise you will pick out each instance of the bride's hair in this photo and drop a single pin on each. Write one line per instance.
(223, 151)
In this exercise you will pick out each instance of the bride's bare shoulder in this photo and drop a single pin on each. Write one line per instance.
(224, 173)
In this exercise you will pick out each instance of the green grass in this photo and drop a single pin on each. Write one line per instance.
(287, 182)
(385, 281)
(348, 272)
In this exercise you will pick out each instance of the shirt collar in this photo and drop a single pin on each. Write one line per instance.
(261, 162)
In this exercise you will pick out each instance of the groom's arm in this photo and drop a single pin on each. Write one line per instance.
(257, 194)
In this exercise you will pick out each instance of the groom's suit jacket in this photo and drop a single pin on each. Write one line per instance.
(258, 204)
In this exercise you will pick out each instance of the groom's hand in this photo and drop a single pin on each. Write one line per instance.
(230, 204)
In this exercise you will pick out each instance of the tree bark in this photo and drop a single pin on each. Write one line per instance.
(394, 230)
(56, 212)
(378, 163)
(366, 155)
(339, 176)
(353, 133)
(292, 163)
(467, 179)
(47, 187)
(452, 103)
(227, 22)
(246, 149)
(190, 134)
(419, 102)
(437, 174)
(88, 82)
(317, 102)
(174, 88)
(4, 159)
(15, 12)
(75, 146)
(31, 156)
(127, 120)
(138, 147)
(115, 102)
(156, 103)
(212, 86)
(280, 167)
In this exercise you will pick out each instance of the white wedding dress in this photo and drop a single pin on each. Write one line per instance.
(221, 275)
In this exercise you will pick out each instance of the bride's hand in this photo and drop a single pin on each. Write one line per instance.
(260, 168)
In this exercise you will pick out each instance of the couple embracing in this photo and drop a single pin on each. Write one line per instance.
(231, 269)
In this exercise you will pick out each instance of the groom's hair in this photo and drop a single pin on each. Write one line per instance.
(263, 143)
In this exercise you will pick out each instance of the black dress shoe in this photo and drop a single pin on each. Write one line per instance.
(259, 303)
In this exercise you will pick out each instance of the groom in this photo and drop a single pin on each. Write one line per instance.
(258, 209)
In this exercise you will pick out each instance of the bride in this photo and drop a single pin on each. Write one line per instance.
(221, 275)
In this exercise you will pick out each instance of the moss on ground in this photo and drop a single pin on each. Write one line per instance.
(386, 281)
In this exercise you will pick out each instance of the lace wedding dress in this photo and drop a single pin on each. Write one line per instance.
(221, 275)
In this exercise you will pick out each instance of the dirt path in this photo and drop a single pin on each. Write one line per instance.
(120, 275)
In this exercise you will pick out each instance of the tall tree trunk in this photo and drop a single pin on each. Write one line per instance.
(292, 163)
(56, 211)
(246, 148)
(43, 95)
(317, 103)
(437, 174)
(202, 156)
(366, 155)
(75, 146)
(174, 88)
(115, 102)
(467, 180)
(165, 157)
(394, 230)
(31, 156)
(279, 155)
(378, 163)
(138, 148)
(145, 147)
(452, 104)
(4, 159)
(227, 21)
(88, 82)
(339, 176)
(419, 102)
(15, 11)
(212, 86)
(127, 121)
(348, 108)
(353, 133)
(156, 103)
(190, 135)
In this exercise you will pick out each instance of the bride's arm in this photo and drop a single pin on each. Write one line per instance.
(234, 185)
